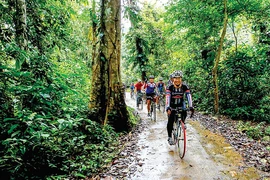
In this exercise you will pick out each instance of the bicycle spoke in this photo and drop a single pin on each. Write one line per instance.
(181, 141)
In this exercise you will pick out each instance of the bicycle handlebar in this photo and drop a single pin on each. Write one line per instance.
(180, 109)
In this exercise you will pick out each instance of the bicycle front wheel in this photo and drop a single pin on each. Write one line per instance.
(181, 141)
(162, 105)
(174, 133)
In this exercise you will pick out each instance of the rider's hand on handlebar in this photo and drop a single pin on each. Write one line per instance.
(168, 111)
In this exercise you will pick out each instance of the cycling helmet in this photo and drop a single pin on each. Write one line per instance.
(178, 73)
(151, 77)
(139, 80)
(171, 76)
(161, 79)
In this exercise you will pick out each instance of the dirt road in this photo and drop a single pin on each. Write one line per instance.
(148, 156)
(202, 160)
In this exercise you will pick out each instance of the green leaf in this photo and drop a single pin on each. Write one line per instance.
(12, 128)
(79, 175)
(45, 135)
(15, 133)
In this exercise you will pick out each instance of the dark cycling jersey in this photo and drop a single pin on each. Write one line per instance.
(175, 96)
(169, 83)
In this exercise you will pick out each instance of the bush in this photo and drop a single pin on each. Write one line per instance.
(243, 80)
(35, 147)
(254, 132)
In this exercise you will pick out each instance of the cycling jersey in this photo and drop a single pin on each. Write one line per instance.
(175, 96)
(160, 86)
(150, 88)
(138, 86)
(169, 83)
(132, 86)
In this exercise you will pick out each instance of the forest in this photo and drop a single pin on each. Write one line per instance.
(63, 63)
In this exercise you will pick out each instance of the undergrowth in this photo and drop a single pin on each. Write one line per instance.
(37, 147)
(259, 131)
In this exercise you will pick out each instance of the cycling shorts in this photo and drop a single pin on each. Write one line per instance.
(150, 94)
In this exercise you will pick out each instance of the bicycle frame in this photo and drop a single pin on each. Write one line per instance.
(139, 100)
(152, 108)
(179, 132)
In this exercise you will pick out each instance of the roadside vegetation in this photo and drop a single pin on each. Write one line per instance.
(46, 60)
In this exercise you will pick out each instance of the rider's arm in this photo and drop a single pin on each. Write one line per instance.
(145, 86)
(189, 98)
(164, 87)
(168, 98)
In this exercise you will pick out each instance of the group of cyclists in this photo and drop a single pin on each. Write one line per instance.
(175, 91)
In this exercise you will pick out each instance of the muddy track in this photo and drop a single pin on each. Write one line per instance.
(147, 154)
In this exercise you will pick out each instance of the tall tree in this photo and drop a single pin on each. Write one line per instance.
(20, 26)
(20, 23)
(217, 59)
(135, 20)
(107, 103)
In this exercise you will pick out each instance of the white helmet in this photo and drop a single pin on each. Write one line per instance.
(178, 74)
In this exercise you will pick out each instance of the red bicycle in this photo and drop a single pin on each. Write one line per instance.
(179, 132)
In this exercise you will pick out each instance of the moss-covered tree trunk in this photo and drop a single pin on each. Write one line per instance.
(141, 58)
(217, 59)
(21, 30)
(107, 104)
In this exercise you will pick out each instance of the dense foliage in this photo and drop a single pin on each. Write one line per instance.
(44, 86)
(44, 94)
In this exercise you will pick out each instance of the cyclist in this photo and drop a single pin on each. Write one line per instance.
(175, 98)
(170, 82)
(150, 91)
(161, 88)
(132, 87)
(138, 90)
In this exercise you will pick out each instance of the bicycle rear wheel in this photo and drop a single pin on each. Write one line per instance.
(154, 111)
(140, 103)
(181, 141)
(151, 110)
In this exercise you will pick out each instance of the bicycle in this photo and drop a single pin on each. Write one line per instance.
(153, 112)
(162, 102)
(139, 101)
(132, 94)
(179, 132)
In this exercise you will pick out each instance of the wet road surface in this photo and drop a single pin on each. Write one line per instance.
(161, 161)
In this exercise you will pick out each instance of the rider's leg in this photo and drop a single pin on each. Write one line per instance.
(148, 105)
(184, 116)
(170, 127)
(157, 99)
(184, 113)
(137, 100)
(170, 123)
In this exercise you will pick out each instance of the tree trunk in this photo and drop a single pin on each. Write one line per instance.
(21, 34)
(107, 103)
(217, 59)
(20, 23)
(140, 57)
(93, 31)
(138, 40)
